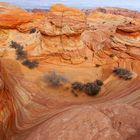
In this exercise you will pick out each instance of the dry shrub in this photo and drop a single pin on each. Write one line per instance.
(31, 64)
(90, 89)
(16, 45)
(123, 73)
(22, 55)
(54, 79)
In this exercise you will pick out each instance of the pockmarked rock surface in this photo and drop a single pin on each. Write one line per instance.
(80, 47)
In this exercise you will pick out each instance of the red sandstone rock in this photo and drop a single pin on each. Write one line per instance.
(10, 16)
(117, 122)
(120, 11)
(71, 43)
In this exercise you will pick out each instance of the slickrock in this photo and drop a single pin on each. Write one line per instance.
(79, 47)
(88, 123)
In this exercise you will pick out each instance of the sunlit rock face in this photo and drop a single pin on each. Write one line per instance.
(80, 47)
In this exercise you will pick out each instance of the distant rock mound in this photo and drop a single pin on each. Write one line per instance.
(120, 11)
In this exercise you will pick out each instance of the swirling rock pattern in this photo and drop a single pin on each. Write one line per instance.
(72, 43)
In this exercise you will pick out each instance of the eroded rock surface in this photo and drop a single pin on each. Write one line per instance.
(81, 47)
(119, 11)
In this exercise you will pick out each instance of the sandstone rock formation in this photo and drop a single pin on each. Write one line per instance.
(72, 43)
(119, 11)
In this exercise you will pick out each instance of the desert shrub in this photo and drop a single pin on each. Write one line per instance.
(21, 54)
(30, 63)
(32, 30)
(120, 71)
(77, 86)
(123, 73)
(127, 76)
(15, 45)
(54, 79)
(99, 82)
(92, 89)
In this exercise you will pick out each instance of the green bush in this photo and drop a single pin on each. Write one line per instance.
(92, 89)
(21, 54)
(123, 73)
(30, 63)
(16, 45)
(77, 86)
